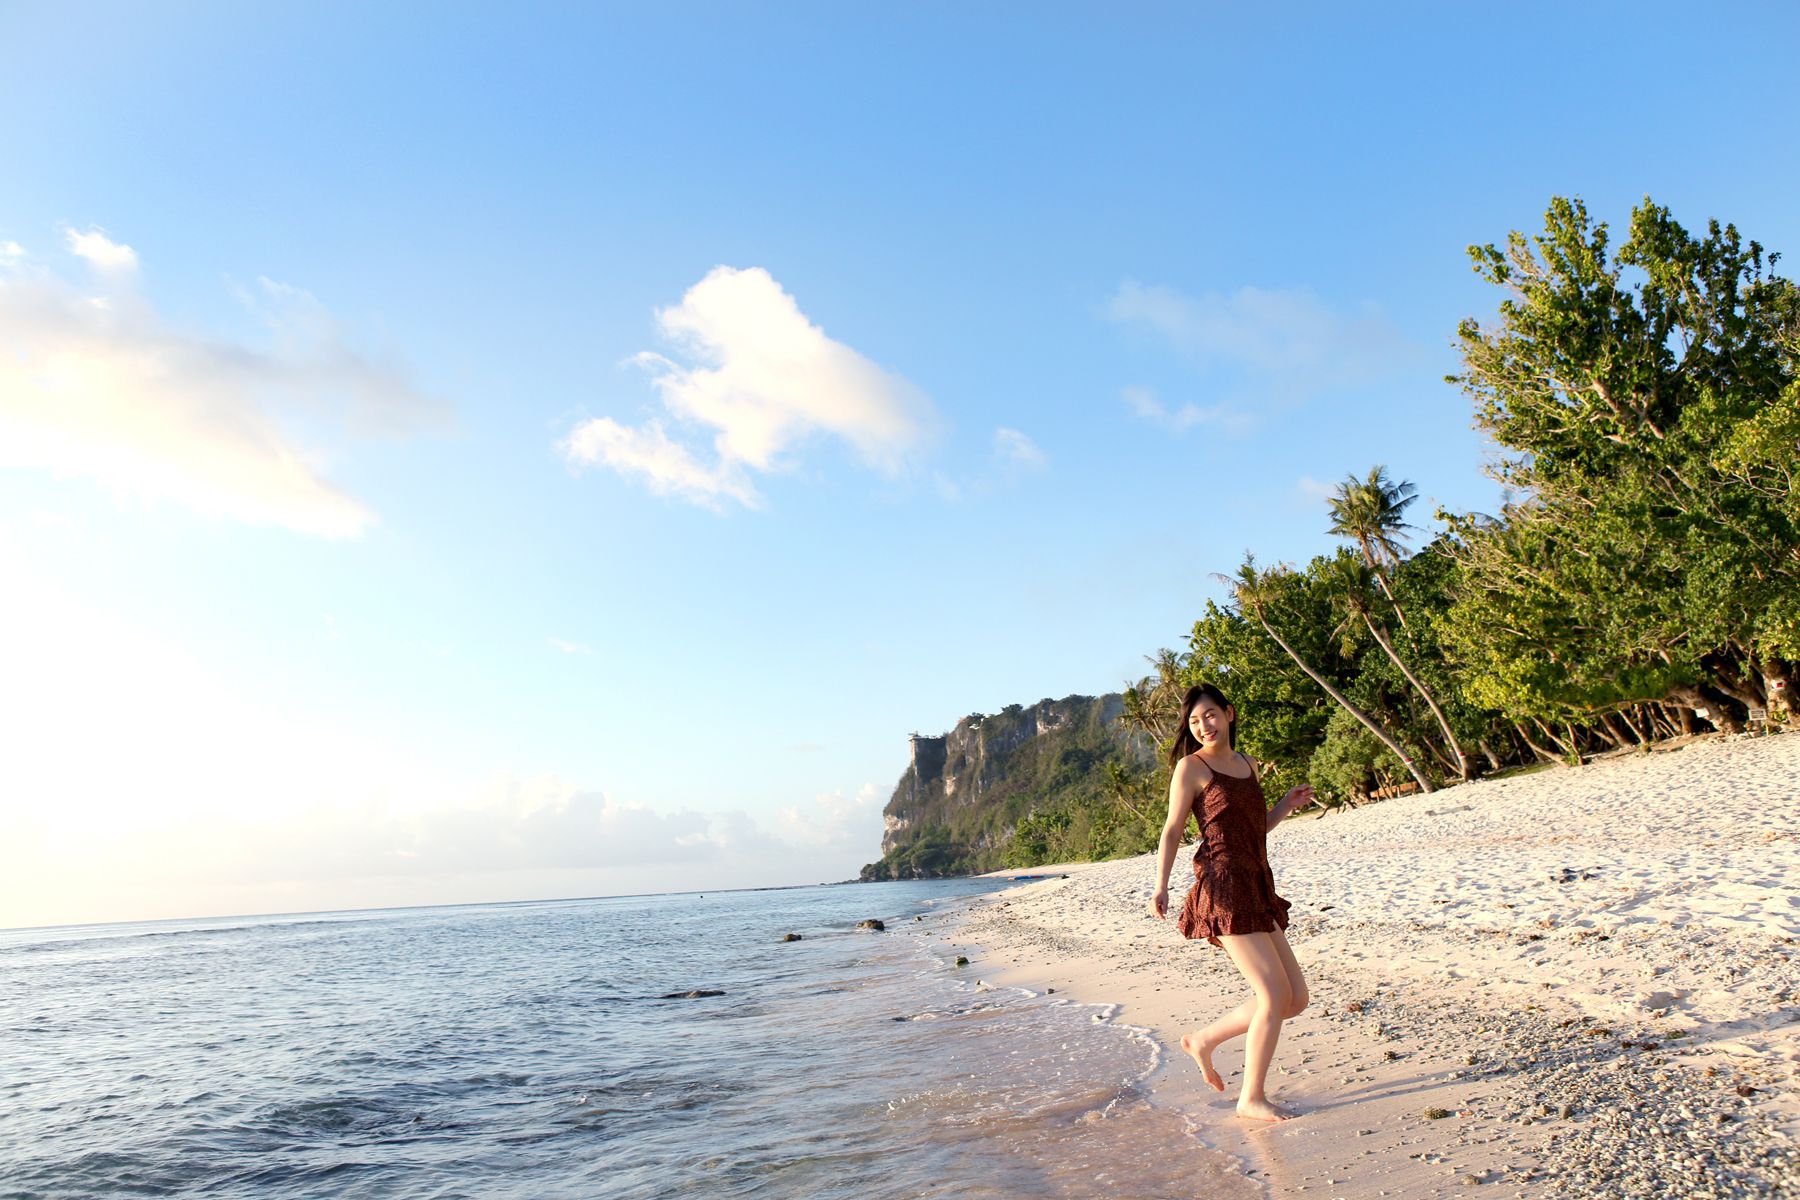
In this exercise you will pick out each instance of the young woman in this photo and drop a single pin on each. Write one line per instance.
(1233, 902)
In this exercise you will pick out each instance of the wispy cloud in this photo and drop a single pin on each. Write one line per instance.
(1306, 485)
(1255, 345)
(1145, 404)
(567, 647)
(94, 383)
(1015, 449)
(759, 377)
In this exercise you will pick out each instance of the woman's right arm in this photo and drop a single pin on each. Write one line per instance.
(1181, 801)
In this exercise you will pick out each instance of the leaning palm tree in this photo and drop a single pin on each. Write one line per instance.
(1371, 512)
(1349, 580)
(1252, 590)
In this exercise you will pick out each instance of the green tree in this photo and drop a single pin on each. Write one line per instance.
(1371, 512)
(1350, 580)
(1646, 403)
(1259, 591)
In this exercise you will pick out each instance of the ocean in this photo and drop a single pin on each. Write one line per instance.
(550, 1049)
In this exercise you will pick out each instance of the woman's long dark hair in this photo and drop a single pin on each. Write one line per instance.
(1185, 741)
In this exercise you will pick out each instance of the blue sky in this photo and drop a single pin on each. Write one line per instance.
(452, 453)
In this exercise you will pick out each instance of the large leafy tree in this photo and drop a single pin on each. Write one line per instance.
(1645, 404)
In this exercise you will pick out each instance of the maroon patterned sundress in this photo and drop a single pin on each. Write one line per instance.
(1234, 890)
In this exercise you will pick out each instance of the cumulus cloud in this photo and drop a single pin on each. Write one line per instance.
(1259, 345)
(101, 251)
(95, 384)
(753, 372)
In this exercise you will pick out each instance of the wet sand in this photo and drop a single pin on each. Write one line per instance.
(1578, 981)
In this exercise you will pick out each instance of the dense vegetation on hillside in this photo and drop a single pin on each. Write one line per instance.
(1021, 786)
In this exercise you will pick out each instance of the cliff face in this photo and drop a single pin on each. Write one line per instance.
(964, 791)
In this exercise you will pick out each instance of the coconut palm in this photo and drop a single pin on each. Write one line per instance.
(1371, 512)
(1252, 590)
(1349, 580)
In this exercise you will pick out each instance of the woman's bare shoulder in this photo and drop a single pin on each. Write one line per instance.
(1190, 767)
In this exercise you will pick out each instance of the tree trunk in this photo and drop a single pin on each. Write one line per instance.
(1462, 760)
(1536, 749)
(1343, 701)
(1718, 709)
(1568, 751)
(1380, 577)
(1612, 733)
(1493, 763)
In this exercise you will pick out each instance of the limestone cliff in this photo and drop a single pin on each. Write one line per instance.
(963, 792)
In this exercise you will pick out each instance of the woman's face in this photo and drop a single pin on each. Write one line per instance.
(1210, 724)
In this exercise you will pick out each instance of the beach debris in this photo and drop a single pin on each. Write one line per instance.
(871, 923)
(790, 937)
(962, 960)
(696, 994)
(1436, 1114)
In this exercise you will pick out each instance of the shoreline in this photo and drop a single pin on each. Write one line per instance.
(1593, 972)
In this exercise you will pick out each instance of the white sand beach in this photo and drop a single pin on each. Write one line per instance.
(1592, 973)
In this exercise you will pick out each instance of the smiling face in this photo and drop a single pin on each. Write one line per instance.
(1211, 724)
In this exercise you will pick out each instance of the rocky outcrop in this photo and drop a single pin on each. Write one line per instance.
(962, 790)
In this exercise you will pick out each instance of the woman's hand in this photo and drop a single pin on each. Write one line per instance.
(1298, 798)
(1159, 903)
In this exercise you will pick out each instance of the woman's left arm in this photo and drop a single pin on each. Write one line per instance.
(1296, 799)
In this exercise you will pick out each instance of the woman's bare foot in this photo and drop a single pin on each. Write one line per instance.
(1201, 1053)
(1261, 1110)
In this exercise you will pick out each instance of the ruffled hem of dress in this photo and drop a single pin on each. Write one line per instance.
(1194, 927)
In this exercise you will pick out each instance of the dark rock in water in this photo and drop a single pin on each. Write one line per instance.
(697, 994)
(871, 923)
(790, 937)
(961, 961)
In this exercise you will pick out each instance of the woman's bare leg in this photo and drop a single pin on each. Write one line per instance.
(1201, 1043)
(1296, 981)
(1258, 957)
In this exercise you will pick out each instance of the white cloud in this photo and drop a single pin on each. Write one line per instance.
(1306, 485)
(101, 252)
(1145, 404)
(1266, 345)
(11, 250)
(834, 821)
(566, 647)
(760, 378)
(1015, 448)
(101, 387)
(668, 468)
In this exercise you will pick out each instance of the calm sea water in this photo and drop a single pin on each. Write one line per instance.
(527, 1050)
